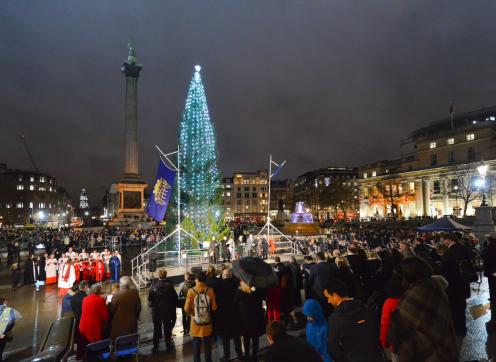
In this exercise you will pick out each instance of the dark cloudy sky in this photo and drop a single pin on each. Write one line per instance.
(316, 82)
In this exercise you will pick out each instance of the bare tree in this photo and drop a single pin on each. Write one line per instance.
(465, 188)
(388, 193)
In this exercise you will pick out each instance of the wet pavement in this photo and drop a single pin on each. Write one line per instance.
(39, 309)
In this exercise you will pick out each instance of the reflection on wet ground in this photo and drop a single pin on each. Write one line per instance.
(38, 309)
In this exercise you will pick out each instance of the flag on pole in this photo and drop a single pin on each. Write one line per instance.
(161, 193)
(278, 169)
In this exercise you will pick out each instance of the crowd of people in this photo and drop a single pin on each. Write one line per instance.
(403, 301)
(364, 297)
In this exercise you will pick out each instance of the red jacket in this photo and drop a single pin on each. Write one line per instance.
(93, 318)
(388, 308)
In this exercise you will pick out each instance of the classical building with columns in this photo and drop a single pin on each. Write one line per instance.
(440, 175)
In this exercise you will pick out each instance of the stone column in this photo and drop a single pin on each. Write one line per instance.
(445, 196)
(419, 204)
(426, 192)
(131, 70)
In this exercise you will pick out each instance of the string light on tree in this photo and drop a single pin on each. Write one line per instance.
(200, 178)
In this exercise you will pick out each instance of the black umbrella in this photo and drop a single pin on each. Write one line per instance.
(255, 272)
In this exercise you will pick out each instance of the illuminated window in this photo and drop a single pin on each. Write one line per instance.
(228, 194)
(20, 187)
(31, 179)
(412, 186)
(41, 205)
(42, 188)
(470, 137)
(374, 173)
(31, 205)
(20, 205)
(19, 178)
(365, 175)
(327, 181)
(450, 141)
(31, 187)
(42, 179)
(8, 205)
(432, 145)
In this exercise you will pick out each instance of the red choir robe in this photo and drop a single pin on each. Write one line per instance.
(99, 271)
(86, 270)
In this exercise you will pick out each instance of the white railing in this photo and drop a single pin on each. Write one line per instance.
(140, 265)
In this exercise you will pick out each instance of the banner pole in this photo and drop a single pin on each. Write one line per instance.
(179, 204)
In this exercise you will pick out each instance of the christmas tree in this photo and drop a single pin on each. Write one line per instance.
(201, 209)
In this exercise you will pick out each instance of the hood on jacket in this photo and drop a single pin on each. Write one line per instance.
(312, 308)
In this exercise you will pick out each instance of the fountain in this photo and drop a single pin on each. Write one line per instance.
(301, 222)
(300, 216)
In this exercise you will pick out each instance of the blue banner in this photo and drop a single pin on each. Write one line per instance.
(161, 193)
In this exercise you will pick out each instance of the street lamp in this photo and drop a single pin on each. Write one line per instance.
(482, 170)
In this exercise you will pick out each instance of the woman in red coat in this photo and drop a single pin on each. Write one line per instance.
(94, 316)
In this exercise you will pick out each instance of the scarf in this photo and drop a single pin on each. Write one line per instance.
(67, 273)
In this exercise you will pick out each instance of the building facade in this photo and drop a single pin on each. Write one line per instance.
(440, 176)
(329, 192)
(28, 197)
(245, 195)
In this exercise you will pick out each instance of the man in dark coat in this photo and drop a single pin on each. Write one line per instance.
(458, 288)
(320, 274)
(353, 328)
(284, 347)
(489, 259)
(163, 301)
(294, 267)
(227, 321)
(125, 308)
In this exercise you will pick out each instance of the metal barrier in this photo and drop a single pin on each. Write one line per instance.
(140, 265)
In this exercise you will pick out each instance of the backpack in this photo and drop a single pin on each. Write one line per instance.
(201, 303)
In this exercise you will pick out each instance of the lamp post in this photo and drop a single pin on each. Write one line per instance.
(482, 170)
(456, 200)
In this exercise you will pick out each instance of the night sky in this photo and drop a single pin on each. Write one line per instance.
(316, 82)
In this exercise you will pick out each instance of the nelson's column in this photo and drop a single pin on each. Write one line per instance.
(128, 193)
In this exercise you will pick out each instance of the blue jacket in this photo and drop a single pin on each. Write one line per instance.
(317, 330)
(66, 303)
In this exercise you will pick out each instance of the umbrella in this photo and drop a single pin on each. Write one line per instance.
(444, 224)
(255, 272)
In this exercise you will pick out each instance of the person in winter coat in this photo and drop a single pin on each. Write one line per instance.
(353, 328)
(297, 279)
(317, 329)
(189, 282)
(201, 332)
(163, 301)
(227, 320)
(393, 290)
(125, 308)
(7, 322)
(66, 301)
(489, 260)
(94, 316)
(77, 308)
(284, 347)
(15, 275)
(422, 326)
(252, 321)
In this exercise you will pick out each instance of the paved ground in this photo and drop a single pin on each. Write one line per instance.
(40, 308)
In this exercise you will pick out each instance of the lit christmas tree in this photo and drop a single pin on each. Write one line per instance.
(201, 210)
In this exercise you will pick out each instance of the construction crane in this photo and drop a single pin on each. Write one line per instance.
(22, 138)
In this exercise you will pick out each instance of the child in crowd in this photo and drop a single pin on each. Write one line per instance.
(316, 328)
